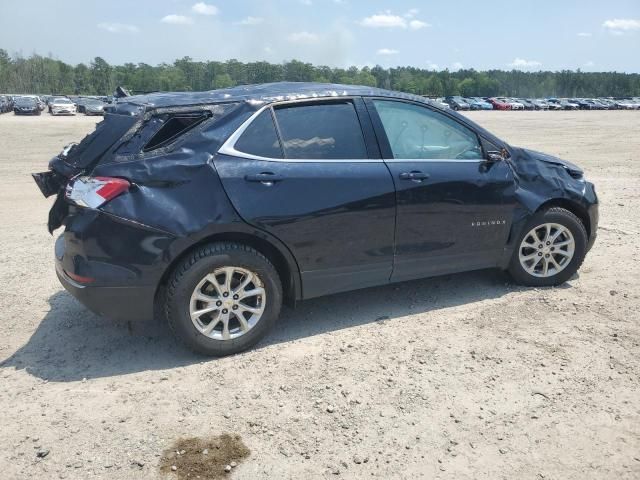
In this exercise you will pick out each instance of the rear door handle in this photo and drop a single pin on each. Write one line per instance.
(266, 178)
(414, 175)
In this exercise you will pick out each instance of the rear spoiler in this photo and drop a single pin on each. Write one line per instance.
(121, 92)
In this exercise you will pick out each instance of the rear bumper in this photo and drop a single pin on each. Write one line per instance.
(111, 265)
(119, 303)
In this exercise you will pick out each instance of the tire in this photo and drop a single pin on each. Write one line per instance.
(190, 274)
(559, 217)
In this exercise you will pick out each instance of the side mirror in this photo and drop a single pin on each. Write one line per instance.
(494, 156)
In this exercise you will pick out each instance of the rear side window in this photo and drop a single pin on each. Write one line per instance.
(174, 126)
(321, 131)
(260, 137)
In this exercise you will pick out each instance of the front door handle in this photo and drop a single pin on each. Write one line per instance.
(266, 178)
(414, 175)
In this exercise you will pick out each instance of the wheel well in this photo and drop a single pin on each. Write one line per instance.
(285, 272)
(574, 208)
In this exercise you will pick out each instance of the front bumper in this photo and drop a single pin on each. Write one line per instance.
(63, 111)
(594, 215)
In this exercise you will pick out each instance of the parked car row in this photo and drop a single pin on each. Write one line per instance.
(54, 104)
(551, 103)
(95, 105)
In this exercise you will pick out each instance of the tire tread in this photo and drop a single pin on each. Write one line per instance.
(208, 250)
(522, 277)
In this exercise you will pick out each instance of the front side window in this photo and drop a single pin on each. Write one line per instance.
(321, 131)
(416, 132)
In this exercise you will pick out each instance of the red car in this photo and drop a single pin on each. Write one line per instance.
(499, 104)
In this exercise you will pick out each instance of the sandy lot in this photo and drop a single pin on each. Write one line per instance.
(465, 376)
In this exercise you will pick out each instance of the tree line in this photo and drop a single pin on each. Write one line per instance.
(47, 75)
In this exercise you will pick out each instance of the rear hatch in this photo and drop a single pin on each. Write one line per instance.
(80, 158)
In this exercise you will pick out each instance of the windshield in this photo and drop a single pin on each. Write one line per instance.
(62, 100)
(25, 101)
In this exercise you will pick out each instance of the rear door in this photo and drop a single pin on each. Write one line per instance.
(454, 207)
(311, 174)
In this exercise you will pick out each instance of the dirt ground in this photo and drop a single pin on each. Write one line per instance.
(459, 377)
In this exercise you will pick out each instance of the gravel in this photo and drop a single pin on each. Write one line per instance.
(407, 368)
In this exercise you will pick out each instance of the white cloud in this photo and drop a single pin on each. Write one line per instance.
(432, 66)
(387, 51)
(177, 20)
(521, 63)
(622, 24)
(384, 20)
(589, 64)
(412, 12)
(417, 24)
(202, 8)
(118, 27)
(388, 20)
(456, 66)
(303, 37)
(250, 21)
(308, 3)
(584, 34)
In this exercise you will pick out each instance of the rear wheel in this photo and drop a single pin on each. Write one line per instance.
(223, 298)
(551, 249)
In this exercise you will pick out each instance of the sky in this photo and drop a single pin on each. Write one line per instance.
(529, 35)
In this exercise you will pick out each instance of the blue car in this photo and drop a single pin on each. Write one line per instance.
(211, 209)
(477, 103)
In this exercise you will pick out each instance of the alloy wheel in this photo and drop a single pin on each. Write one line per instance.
(227, 303)
(546, 250)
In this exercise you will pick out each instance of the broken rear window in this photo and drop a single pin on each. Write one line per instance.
(175, 126)
(162, 129)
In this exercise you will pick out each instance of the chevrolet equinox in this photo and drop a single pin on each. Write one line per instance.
(214, 208)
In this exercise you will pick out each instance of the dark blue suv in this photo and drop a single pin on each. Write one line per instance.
(213, 208)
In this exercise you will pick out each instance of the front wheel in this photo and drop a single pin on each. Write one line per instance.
(223, 298)
(551, 249)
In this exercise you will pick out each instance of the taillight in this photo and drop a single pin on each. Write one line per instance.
(95, 191)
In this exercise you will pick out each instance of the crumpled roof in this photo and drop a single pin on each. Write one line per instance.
(263, 93)
(257, 95)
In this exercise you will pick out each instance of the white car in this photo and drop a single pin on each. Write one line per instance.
(441, 103)
(628, 104)
(514, 105)
(62, 106)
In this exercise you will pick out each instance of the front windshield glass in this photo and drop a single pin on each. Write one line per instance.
(26, 101)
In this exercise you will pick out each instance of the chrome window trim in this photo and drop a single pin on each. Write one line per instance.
(435, 160)
(228, 147)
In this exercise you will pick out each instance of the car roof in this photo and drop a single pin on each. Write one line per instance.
(264, 93)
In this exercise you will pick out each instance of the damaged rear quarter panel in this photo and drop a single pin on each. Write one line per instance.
(177, 190)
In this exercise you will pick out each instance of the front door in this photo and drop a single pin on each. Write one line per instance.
(311, 175)
(451, 209)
